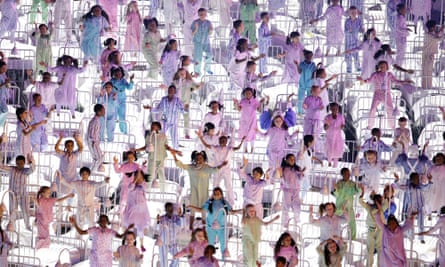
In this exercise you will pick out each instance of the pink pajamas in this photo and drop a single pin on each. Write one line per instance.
(312, 123)
(335, 141)
(44, 217)
(248, 120)
(101, 254)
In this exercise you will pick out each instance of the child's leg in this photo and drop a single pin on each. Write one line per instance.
(287, 205)
(161, 174)
(186, 124)
(296, 206)
(263, 50)
(43, 140)
(122, 114)
(208, 58)
(34, 7)
(389, 110)
(248, 252)
(376, 100)
(371, 244)
(173, 251)
(401, 50)
(211, 234)
(420, 222)
(222, 239)
(348, 59)
(357, 61)
(103, 125)
(43, 240)
(197, 56)
(228, 185)
(111, 125)
(44, 7)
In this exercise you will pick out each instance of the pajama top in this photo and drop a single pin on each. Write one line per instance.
(101, 254)
(253, 189)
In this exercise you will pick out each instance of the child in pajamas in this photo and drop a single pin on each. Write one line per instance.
(202, 28)
(18, 181)
(110, 47)
(306, 70)
(293, 52)
(101, 254)
(199, 174)
(353, 26)
(334, 124)
(66, 70)
(63, 15)
(238, 63)
(291, 177)
(235, 34)
(195, 249)
(46, 88)
(85, 190)
(127, 169)
(120, 86)
(35, 9)
(39, 113)
(264, 40)
(191, 8)
(95, 22)
(253, 189)
(168, 227)
(247, 11)
(128, 254)
(24, 130)
(313, 105)
(5, 243)
(400, 33)
(252, 78)
(150, 46)
(93, 138)
(108, 99)
(169, 61)
(43, 49)
(133, 30)
(286, 247)
(330, 224)
(44, 215)
(215, 117)
(207, 260)
(110, 7)
(430, 48)
(371, 170)
(9, 19)
(252, 235)
(440, 225)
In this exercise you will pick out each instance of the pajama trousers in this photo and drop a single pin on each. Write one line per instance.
(62, 12)
(348, 58)
(312, 126)
(22, 201)
(155, 169)
(172, 131)
(43, 8)
(43, 239)
(381, 96)
(163, 255)
(109, 125)
(85, 214)
(374, 242)
(221, 233)
(250, 253)
(198, 51)
(401, 50)
(427, 70)
(225, 174)
(39, 139)
(122, 114)
(96, 154)
(291, 201)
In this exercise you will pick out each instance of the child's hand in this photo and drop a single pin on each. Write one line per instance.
(198, 133)
(107, 180)
(245, 161)
(262, 55)
(115, 160)
(71, 195)
(273, 73)
(72, 219)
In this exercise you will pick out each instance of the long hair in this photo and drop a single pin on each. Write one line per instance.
(279, 244)
(90, 15)
(291, 36)
(211, 200)
(327, 254)
(322, 207)
(168, 46)
(368, 34)
(285, 164)
(194, 232)
(41, 191)
(196, 153)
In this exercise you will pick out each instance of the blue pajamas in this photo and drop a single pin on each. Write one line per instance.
(352, 30)
(120, 87)
(201, 44)
(198, 51)
(39, 139)
(216, 221)
(305, 83)
(221, 233)
(108, 122)
(91, 45)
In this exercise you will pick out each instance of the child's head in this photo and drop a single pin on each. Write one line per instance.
(180, 74)
(414, 179)
(431, 25)
(43, 28)
(439, 159)
(402, 121)
(401, 9)
(238, 25)
(392, 223)
(315, 90)
(328, 208)
(280, 261)
(249, 211)
(131, 155)
(257, 173)
(285, 240)
(44, 192)
(388, 191)
(248, 93)
(172, 45)
(129, 239)
(117, 73)
(99, 110)
(334, 108)
(133, 6)
(103, 221)
(110, 42)
(251, 67)
(442, 211)
(37, 98)
(335, 2)
(345, 173)
(353, 12)
(377, 198)
(242, 45)
(278, 121)
(3, 67)
(215, 106)
(21, 113)
(139, 177)
(85, 173)
(46, 77)
(217, 193)
(199, 235)
(108, 86)
(308, 55)
(293, 38)
(185, 61)
(370, 34)
(69, 146)
(382, 66)
(209, 128)
(376, 132)
(151, 24)
(308, 140)
(20, 162)
(223, 140)
(371, 156)
(264, 17)
(202, 13)
(199, 157)
(330, 249)
(96, 10)
(171, 91)
(155, 126)
(209, 251)
(169, 208)
(320, 72)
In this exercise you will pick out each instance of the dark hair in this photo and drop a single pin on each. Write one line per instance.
(20, 157)
(46, 74)
(198, 230)
(97, 108)
(249, 89)
(368, 33)
(109, 41)
(375, 131)
(61, 61)
(376, 198)
(103, 216)
(168, 204)
(90, 15)
(224, 202)
(201, 9)
(327, 254)
(431, 24)
(280, 259)
(343, 171)
(125, 237)
(167, 47)
(352, 8)
(43, 25)
(258, 170)
(2, 63)
(34, 96)
(215, 102)
(196, 154)
(439, 155)
(334, 104)
(157, 123)
(391, 217)
(107, 83)
(291, 36)
(383, 49)
(402, 119)
(41, 191)
(208, 126)
(114, 70)
(68, 141)
(209, 249)
(148, 21)
(250, 63)
(85, 169)
(442, 210)
(322, 207)
(263, 14)
(19, 111)
(399, 7)
(308, 139)
(285, 164)
(241, 42)
(279, 244)
(237, 23)
(307, 52)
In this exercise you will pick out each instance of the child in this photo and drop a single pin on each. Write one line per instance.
(436, 173)
(375, 143)
(344, 192)
(264, 39)
(235, 34)
(331, 252)
(39, 113)
(293, 52)
(9, 20)
(110, 7)
(385, 54)
(63, 16)
(191, 8)
(214, 116)
(199, 174)
(136, 210)
(43, 10)
(120, 86)
(371, 170)
(248, 119)
(334, 124)
(222, 153)
(252, 235)
(43, 49)
(401, 134)
(108, 99)
(66, 70)
(196, 247)
(381, 80)
(306, 69)
(4, 94)
(252, 78)
(440, 225)
(127, 169)
(238, 63)
(330, 224)
(393, 248)
(280, 262)
(44, 215)
(211, 138)
(253, 189)
(128, 254)
(18, 180)
(313, 104)
(370, 45)
(207, 260)
(201, 30)
(110, 44)
(95, 22)
(277, 125)
(24, 130)
(185, 86)
(93, 138)
(353, 26)
(400, 33)
(85, 190)
(68, 161)
(133, 29)
(217, 208)
(169, 61)
(291, 175)
(335, 34)
(321, 81)
(46, 88)
(286, 247)
(304, 160)
(430, 48)
(5, 243)
(247, 11)
(101, 254)
(168, 227)
(150, 47)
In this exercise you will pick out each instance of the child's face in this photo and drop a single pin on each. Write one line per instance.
(291, 160)
(46, 78)
(182, 74)
(323, 74)
(103, 221)
(440, 160)
(295, 40)
(108, 88)
(129, 239)
(244, 46)
(353, 13)
(200, 237)
(211, 132)
(346, 175)
(3, 69)
(118, 74)
(402, 11)
(214, 107)
(43, 30)
(402, 124)
(371, 157)
(256, 175)
(280, 264)
(223, 141)
(20, 164)
(316, 91)
(152, 26)
(392, 225)
(217, 195)
(170, 209)
(251, 212)
(24, 115)
(383, 67)
(278, 121)
(241, 27)
(287, 241)
(174, 46)
(154, 128)
(308, 56)
(69, 146)
(266, 19)
(68, 61)
(249, 94)
(171, 92)
(130, 157)
(415, 180)
(202, 15)
(101, 112)
(332, 247)
(334, 110)
(97, 12)
(46, 193)
(251, 68)
(38, 101)
(85, 175)
(199, 159)
(330, 210)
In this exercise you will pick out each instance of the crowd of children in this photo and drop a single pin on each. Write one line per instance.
(181, 66)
